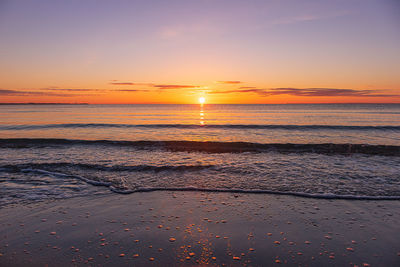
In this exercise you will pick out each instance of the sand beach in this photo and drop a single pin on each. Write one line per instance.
(198, 228)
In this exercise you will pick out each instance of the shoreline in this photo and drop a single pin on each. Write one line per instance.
(197, 228)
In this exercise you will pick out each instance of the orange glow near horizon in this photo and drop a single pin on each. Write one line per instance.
(181, 99)
(193, 93)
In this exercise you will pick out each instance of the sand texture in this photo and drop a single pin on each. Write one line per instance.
(195, 228)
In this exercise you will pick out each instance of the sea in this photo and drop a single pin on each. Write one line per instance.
(335, 151)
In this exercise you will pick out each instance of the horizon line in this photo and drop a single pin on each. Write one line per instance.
(322, 103)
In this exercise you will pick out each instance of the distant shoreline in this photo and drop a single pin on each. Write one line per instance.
(54, 104)
(45, 104)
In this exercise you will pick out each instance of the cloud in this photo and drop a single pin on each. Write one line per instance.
(73, 90)
(250, 90)
(174, 86)
(7, 92)
(229, 82)
(247, 87)
(311, 92)
(131, 90)
(42, 92)
(324, 92)
(291, 20)
(96, 90)
(310, 17)
(122, 83)
(115, 82)
(159, 86)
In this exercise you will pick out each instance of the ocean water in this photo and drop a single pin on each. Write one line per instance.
(328, 151)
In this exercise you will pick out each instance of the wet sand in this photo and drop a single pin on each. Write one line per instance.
(197, 228)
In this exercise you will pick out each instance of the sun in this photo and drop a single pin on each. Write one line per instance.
(202, 100)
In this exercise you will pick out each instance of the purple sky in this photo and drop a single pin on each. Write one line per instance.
(267, 43)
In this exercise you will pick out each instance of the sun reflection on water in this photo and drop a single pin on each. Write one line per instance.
(202, 121)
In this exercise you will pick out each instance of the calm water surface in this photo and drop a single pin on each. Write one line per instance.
(338, 151)
(361, 124)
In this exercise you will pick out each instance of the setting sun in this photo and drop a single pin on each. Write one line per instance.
(202, 100)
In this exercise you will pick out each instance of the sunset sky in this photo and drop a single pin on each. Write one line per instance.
(168, 51)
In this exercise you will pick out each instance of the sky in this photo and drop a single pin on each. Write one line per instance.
(228, 51)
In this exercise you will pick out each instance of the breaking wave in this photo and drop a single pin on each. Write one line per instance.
(120, 190)
(211, 147)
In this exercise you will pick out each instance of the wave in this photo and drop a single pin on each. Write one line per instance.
(255, 191)
(210, 147)
(120, 190)
(99, 167)
(196, 126)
